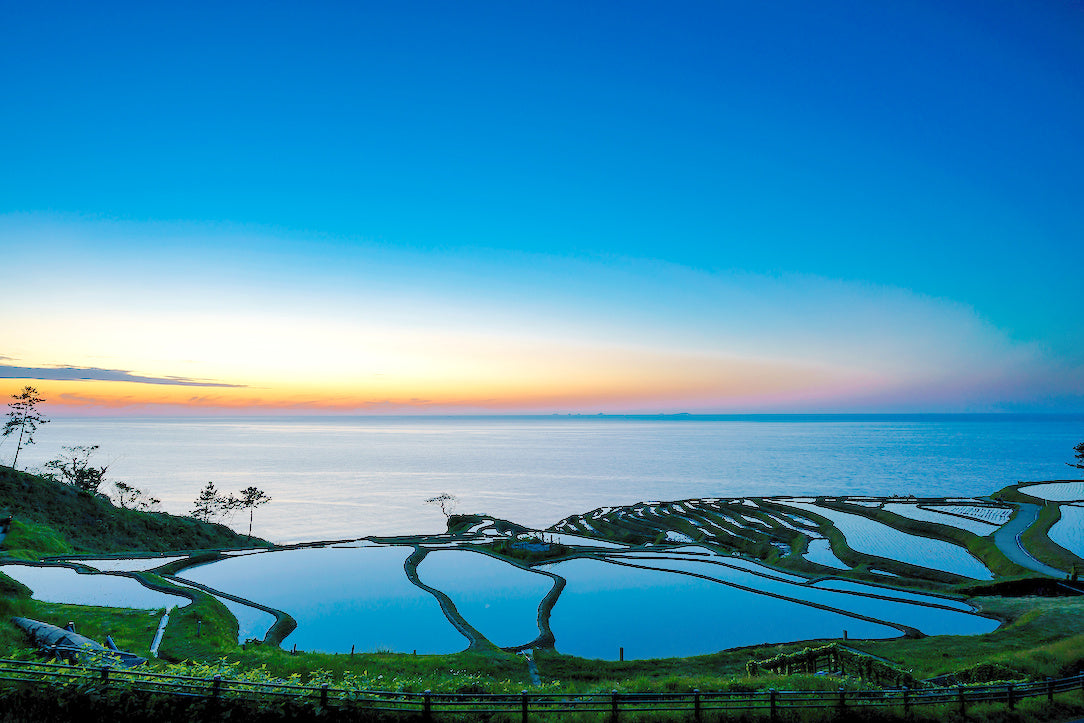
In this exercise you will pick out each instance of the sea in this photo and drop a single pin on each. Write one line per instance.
(350, 477)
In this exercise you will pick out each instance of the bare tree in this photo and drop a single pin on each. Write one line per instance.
(24, 416)
(446, 501)
(133, 498)
(75, 469)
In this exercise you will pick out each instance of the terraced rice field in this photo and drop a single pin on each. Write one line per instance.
(252, 623)
(657, 614)
(914, 512)
(1069, 530)
(340, 598)
(820, 552)
(1056, 491)
(499, 599)
(64, 585)
(874, 538)
(130, 564)
(836, 584)
(696, 553)
(929, 620)
(566, 539)
(995, 515)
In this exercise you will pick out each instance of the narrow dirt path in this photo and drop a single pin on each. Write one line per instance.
(532, 669)
(158, 634)
(1008, 541)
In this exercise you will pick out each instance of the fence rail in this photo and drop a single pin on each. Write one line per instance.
(525, 704)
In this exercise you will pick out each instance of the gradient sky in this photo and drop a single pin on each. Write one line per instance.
(211, 208)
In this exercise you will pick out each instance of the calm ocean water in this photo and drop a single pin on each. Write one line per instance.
(351, 477)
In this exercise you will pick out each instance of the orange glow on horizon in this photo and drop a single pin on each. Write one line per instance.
(666, 381)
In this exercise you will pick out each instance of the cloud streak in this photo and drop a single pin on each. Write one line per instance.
(97, 374)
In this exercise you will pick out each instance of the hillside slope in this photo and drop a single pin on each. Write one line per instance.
(53, 518)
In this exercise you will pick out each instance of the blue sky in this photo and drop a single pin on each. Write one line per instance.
(881, 201)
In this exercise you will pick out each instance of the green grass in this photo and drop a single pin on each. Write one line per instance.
(202, 630)
(51, 518)
(1037, 540)
(1045, 637)
(132, 630)
(34, 540)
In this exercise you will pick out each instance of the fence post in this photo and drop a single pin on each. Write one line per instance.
(216, 687)
(323, 695)
(842, 698)
(696, 704)
(1049, 689)
(963, 703)
(427, 705)
(771, 703)
(613, 705)
(1011, 693)
(523, 704)
(906, 700)
(105, 674)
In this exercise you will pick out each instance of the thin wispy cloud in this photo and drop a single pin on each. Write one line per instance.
(98, 374)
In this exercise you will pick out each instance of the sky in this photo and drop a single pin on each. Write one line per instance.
(563, 207)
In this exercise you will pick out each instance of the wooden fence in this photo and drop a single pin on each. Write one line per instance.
(429, 705)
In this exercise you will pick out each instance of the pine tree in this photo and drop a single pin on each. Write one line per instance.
(24, 417)
(208, 504)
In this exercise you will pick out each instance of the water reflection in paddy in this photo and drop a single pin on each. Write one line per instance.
(655, 614)
(834, 584)
(339, 597)
(252, 623)
(820, 552)
(929, 620)
(126, 564)
(64, 585)
(499, 599)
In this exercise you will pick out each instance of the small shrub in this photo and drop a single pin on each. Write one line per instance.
(987, 673)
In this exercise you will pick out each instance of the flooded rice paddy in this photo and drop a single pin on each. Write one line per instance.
(65, 585)
(820, 552)
(496, 597)
(341, 598)
(924, 514)
(1069, 530)
(656, 614)
(1056, 491)
(129, 564)
(874, 538)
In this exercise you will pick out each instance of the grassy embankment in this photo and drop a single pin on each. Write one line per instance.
(50, 518)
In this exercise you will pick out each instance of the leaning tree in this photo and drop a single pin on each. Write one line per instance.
(250, 499)
(25, 418)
